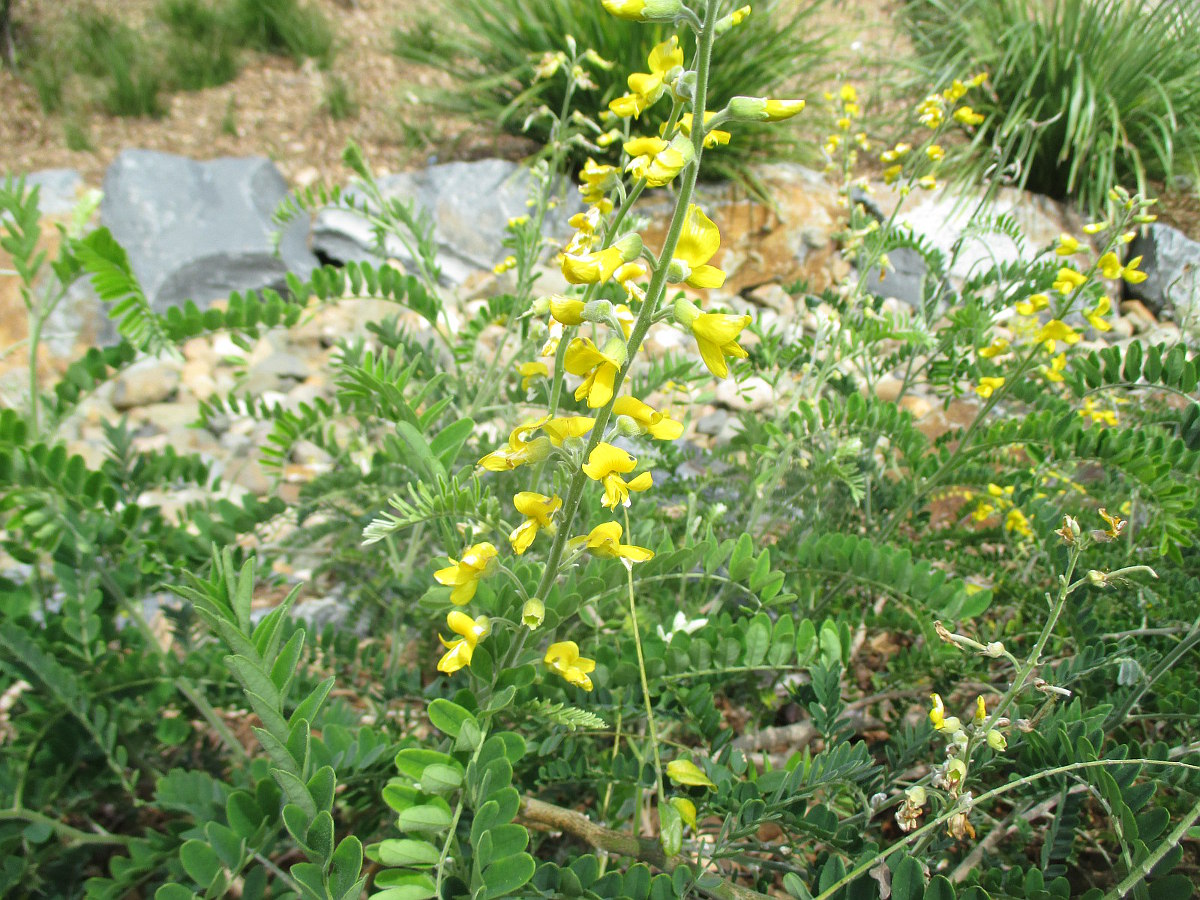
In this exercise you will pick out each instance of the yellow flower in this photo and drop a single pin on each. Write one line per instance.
(987, 386)
(647, 87)
(598, 266)
(1102, 416)
(598, 180)
(533, 613)
(459, 651)
(1068, 280)
(891, 173)
(999, 492)
(1054, 331)
(714, 138)
(715, 333)
(1017, 521)
(1115, 524)
(1033, 303)
(980, 710)
(995, 348)
(1112, 268)
(762, 109)
(964, 115)
(531, 370)
(848, 93)
(684, 771)
(509, 262)
(698, 242)
(931, 111)
(598, 368)
(896, 154)
(563, 658)
(937, 715)
(982, 511)
(464, 575)
(519, 450)
(1066, 245)
(658, 425)
(565, 311)
(607, 464)
(1057, 366)
(643, 10)
(604, 541)
(538, 510)
(656, 163)
(1096, 316)
(558, 430)
(935, 152)
(1094, 227)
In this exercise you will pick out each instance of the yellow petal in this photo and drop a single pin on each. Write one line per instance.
(699, 239)
(606, 459)
(706, 277)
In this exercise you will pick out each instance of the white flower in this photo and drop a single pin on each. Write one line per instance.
(681, 623)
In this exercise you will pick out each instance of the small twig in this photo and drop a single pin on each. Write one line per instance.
(796, 736)
(646, 850)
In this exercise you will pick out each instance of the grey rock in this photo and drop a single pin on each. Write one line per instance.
(200, 230)
(58, 190)
(904, 278)
(1171, 261)
(146, 381)
(469, 202)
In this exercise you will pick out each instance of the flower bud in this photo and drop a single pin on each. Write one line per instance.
(540, 306)
(997, 741)
(760, 109)
(735, 18)
(533, 613)
(994, 649)
(1096, 578)
(644, 10)
(597, 311)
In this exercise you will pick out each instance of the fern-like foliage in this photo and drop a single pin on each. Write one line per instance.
(108, 266)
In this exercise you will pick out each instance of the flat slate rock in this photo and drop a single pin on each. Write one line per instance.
(200, 230)
(470, 204)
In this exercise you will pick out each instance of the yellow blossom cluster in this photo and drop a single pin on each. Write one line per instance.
(998, 499)
(592, 341)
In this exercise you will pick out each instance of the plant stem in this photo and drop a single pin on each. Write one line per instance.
(651, 730)
(64, 831)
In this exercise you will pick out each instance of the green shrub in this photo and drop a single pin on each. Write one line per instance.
(200, 51)
(1085, 92)
(281, 26)
(489, 48)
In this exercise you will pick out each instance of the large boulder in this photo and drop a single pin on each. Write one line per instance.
(1171, 261)
(469, 203)
(58, 190)
(200, 230)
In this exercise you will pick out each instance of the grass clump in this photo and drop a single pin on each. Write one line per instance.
(281, 26)
(489, 48)
(1084, 93)
(201, 45)
(117, 55)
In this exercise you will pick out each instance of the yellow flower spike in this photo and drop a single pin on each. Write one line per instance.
(1017, 521)
(538, 510)
(698, 242)
(937, 715)
(684, 771)
(964, 115)
(1054, 331)
(566, 311)
(1095, 316)
(987, 386)
(1034, 302)
(558, 430)
(529, 371)
(465, 574)
(459, 651)
(762, 109)
(1057, 366)
(598, 368)
(533, 613)
(607, 464)
(995, 348)
(1068, 279)
(520, 449)
(604, 541)
(658, 425)
(1067, 245)
(563, 659)
(643, 10)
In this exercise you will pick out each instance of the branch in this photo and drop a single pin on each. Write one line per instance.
(599, 837)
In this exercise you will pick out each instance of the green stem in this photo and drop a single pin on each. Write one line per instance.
(651, 730)
(1172, 840)
(64, 831)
